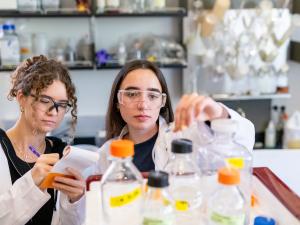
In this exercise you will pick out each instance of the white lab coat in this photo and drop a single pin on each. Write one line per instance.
(19, 202)
(160, 154)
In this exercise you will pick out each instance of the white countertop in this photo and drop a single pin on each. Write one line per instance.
(284, 163)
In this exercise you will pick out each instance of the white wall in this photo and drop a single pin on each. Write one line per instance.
(93, 86)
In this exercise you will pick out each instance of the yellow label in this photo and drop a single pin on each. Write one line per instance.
(181, 205)
(237, 163)
(125, 199)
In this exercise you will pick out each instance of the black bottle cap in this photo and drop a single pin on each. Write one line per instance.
(158, 179)
(182, 146)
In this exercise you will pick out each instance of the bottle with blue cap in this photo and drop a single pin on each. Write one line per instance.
(185, 182)
(10, 46)
(262, 220)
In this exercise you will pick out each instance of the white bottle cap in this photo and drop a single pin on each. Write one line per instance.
(224, 125)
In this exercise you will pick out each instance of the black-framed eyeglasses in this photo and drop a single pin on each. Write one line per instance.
(47, 104)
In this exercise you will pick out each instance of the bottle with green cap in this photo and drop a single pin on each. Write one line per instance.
(185, 182)
(158, 206)
(121, 186)
(227, 204)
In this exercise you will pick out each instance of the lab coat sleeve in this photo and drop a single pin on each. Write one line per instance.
(245, 134)
(22, 201)
(71, 213)
(103, 162)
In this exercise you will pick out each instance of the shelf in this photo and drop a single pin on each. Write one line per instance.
(249, 97)
(118, 66)
(176, 12)
(67, 13)
(70, 67)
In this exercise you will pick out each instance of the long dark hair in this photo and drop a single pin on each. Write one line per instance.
(114, 120)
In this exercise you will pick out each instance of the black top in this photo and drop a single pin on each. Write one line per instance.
(142, 158)
(158, 179)
(18, 168)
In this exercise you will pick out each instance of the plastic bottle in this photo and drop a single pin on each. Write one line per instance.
(158, 206)
(283, 117)
(227, 204)
(28, 5)
(225, 152)
(10, 46)
(185, 183)
(122, 53)
(262, 220)
(270, 135)
(121, 186)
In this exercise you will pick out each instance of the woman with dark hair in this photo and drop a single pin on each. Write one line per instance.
(140, 110)
(45, 93)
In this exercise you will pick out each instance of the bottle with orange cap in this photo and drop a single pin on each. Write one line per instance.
(121, 186)
(227, 205)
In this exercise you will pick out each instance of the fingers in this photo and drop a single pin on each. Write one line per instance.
(185, 111)
(49, 159)
(73, 188)
(183, 114)
(194, 106)
(43, 166)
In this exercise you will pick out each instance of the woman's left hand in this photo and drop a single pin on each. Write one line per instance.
(74, 188)
(197, 107)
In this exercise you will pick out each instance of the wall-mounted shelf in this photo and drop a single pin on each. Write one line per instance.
(70, 67)
(118, 66)
(180, 12)
(67, 13)
(249, 97)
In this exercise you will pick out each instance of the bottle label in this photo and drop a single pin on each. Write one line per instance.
(10, 52)
(181, 205)
(236, 162)
(121, 200)
(153, 221)
(227, 220)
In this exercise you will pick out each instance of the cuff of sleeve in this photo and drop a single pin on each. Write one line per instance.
(27, 188)
(66, 204)
(75, 210)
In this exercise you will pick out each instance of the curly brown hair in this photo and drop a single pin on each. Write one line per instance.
(36, 74)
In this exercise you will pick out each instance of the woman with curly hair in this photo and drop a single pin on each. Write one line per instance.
(45, 93)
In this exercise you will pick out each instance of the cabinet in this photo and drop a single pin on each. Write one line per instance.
(104, 28)
(93, 82)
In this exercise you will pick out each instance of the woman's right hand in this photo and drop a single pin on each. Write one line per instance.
(42, 167)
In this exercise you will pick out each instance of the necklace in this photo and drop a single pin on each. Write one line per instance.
(27, 155)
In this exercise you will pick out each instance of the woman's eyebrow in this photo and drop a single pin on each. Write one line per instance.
(148, 89)
(47, 96)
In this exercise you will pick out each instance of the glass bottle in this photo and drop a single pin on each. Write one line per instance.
(121, 186)
(10, 46)
(185, 183)
(158, 205)
(223, 151)
(227, 204)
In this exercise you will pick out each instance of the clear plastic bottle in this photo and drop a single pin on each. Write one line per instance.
(185, 183)
(158, 206)
(121, 186)
(227, 204)
(10, 46)
(225, 152)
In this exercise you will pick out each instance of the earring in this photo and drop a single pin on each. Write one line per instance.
(21, 109)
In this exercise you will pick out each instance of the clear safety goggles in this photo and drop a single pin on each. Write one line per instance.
(130, 98)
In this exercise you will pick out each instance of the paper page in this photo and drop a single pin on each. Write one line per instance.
(75, 158)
